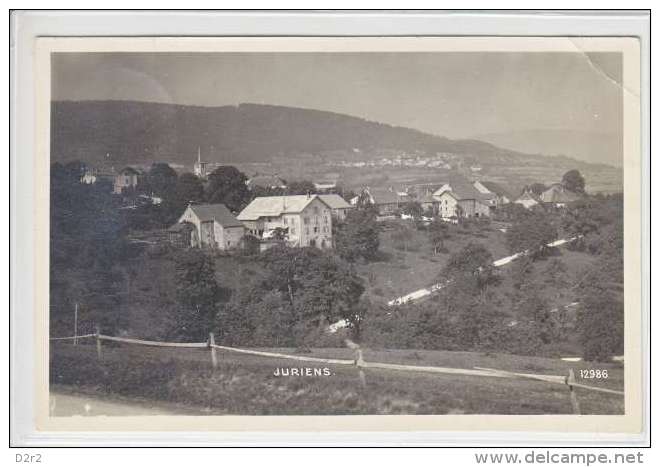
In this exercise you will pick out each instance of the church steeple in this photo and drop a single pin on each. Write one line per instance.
(200, 167)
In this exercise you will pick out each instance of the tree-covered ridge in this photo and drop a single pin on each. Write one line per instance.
(141, 132)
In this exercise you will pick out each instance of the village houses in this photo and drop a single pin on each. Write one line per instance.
(306, 220)
(459, 198)
(213, 226)
(387, 201)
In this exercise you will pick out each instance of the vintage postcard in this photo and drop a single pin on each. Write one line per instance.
(384, 234)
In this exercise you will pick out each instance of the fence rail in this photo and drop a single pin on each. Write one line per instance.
(357, 362)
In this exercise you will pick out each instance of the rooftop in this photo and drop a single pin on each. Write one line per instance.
(462, 188)
(334, 201)
(215, 212)
(273, 206)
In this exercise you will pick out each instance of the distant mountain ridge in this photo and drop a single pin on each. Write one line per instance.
(141, 132)
(591, 147)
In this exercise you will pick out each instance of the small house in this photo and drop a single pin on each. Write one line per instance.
(387, 201)
(214, 226)
(127, 178)
(338, 205)
(459, 198)
(528, 199)
(558, 195)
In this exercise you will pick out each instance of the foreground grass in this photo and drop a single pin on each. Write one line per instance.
(245, 384)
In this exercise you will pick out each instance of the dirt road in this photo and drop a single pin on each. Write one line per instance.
(67, 404)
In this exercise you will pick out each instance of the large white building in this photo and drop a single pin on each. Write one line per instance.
(306, 220)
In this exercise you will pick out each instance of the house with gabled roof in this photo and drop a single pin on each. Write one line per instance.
(339, 207)
(386, 200)
(528, 199)
(558, 195)
(305, 220)
(498, 195)
(459, 198)
(214, 226)
(126, 179)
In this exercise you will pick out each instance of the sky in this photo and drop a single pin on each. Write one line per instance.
(457, 95)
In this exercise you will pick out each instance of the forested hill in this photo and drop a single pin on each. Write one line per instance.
(140, 132)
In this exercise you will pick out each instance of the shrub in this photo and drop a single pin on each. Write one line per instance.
(600, 325)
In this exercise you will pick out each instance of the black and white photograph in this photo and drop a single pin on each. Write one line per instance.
(338, 232)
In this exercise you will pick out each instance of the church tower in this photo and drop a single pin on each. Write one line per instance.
(200, 168)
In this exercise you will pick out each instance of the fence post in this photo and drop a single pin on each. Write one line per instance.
(359, 362)
(98, 342)
(214, 357)
(574, 401)
(75, 325)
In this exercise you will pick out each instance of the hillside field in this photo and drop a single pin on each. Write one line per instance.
(245, 384)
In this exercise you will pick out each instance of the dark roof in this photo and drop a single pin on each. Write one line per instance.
(462, 188)
(497, 189)
(385, 196)
(216, 212)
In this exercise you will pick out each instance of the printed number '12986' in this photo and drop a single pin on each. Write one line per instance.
(593, 374)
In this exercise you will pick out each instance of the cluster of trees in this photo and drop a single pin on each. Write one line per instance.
(225, 185)
(86, 251)
(288, 301)
(531, 233)
(357, 237)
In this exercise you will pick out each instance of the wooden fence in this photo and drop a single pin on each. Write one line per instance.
(358, 362)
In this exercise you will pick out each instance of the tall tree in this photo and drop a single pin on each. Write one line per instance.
(358, 236)
(227, 186)
(438, 233)
(161, 180)
(473, 260)
(600, 317)
(197, 295)
(574, 181)
(531, 234)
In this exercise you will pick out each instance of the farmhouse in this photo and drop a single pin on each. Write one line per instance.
(338, 205)
(559, 195)
(496, 194)
(305, 220)
(214, 226)
(387, 201)
(459, 198)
